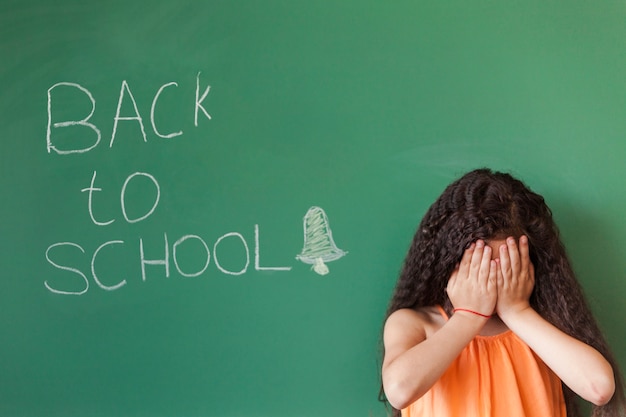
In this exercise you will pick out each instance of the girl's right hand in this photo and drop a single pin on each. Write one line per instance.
(472, 285)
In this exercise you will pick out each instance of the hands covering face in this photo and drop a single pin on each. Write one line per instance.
(488, 282)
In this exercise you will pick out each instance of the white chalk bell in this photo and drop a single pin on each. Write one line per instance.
(319, 246)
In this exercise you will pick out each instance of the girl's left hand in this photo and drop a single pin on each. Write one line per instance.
(515, 278)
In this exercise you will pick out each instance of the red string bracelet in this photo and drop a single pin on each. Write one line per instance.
(472, 311)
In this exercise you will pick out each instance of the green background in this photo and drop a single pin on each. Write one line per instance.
(367, 109)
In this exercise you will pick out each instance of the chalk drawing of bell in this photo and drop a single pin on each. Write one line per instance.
(319, 246)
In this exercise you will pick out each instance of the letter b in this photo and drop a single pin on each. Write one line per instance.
(83, 122)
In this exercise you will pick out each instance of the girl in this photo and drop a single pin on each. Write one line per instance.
(487, 318)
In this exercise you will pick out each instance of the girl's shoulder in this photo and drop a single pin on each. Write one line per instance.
(423, 320)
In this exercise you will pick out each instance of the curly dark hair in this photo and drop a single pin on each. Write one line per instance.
(484, 204)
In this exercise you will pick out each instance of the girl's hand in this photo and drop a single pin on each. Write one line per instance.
(515, 278)
(472, 285)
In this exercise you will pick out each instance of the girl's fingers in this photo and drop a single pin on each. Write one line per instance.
(477, 256)
(499, 276)
(514, 256)
(524, 253)
(485, 265)
(466, 260)
(505, 262)
(493, 275)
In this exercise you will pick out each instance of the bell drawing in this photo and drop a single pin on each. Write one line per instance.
(319, 246)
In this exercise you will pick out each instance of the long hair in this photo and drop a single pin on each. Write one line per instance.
(491, 205)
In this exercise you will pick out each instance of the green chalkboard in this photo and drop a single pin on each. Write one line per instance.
(205, 204)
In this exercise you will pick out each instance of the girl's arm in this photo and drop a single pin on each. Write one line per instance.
(414, 362)
(582, 368)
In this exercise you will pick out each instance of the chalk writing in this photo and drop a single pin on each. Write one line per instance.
(319, 246)
(154, 102)
(92, 188)
(136, 117)
(165, 261)
(93, 267)
(66, 268)
(124, 95)
(82, 122)
(199, 100)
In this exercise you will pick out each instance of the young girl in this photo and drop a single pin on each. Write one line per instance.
(487, 318)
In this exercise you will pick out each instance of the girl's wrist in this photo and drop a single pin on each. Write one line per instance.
(514, 313)
(472, 312)
(467, 323)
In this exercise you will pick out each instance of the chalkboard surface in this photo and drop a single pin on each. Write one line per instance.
(205, 205)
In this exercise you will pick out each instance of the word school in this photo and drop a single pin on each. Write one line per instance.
(165, 262)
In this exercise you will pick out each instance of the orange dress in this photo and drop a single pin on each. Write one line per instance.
(497, 376)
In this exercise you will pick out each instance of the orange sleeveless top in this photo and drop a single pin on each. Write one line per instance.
(497, 376)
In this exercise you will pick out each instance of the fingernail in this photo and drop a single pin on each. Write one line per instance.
(480, 244)
(523, 239)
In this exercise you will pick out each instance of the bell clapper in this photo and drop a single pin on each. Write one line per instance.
(320, 267)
